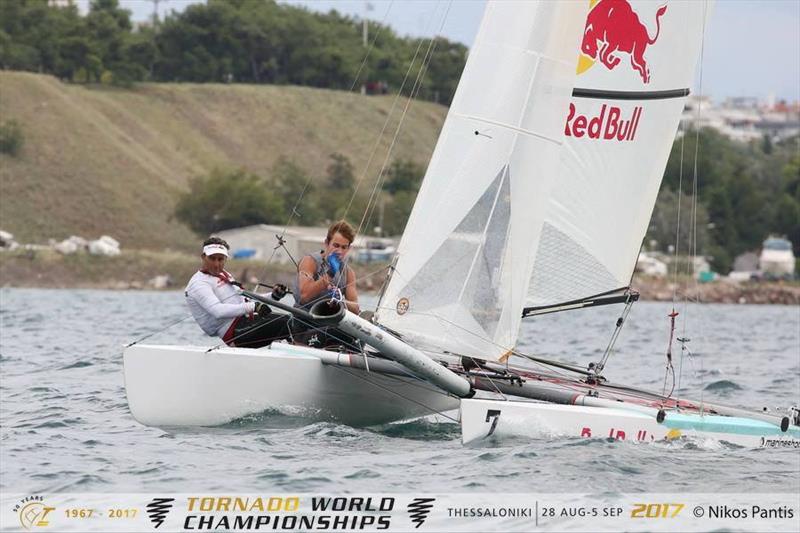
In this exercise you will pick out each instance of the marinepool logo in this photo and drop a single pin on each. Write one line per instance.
(33, 512)
(418, 510)
(158, 509)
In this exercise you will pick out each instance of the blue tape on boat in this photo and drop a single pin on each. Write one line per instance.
(726, 424)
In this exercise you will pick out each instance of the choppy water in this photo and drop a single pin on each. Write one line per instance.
(66, 426)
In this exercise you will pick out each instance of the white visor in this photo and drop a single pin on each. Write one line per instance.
(212, 249)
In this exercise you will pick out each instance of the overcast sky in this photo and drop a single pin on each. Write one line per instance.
(752, 47)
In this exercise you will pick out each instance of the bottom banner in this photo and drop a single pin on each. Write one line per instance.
(399, 512)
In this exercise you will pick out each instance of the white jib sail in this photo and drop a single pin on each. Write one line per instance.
(465, 259)
(636, 62)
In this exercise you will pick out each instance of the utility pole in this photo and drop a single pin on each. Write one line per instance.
(364, 24)
(155, 11)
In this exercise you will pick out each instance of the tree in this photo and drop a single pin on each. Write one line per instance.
(397, 211)
(403, 175)
(340, 173)
(402, 184)
(297, 193)
(11, 138)
(664, 223)
(787, 209)
(224, 200)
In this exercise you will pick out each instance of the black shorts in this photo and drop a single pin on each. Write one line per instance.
(261, 330)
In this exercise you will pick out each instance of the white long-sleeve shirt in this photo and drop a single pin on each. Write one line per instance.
(215, 303)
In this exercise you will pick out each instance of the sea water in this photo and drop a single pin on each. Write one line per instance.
(65, 424)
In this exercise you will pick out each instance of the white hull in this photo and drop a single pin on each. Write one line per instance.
(529, 419)
(191, 386)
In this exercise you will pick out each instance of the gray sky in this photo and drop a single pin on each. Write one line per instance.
(752, 47)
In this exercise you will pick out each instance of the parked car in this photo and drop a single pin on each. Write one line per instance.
(777, 260)
(376, 251)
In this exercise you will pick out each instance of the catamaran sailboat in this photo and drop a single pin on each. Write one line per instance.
(536, 200)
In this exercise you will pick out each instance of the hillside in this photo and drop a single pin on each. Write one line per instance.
(103, 160)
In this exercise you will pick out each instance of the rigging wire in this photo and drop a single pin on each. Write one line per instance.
(177, 321)
(621, 321)
(294, 211)
(693, 242)
(381, 26)
(691, 248)
(379, 137)
(432, 43)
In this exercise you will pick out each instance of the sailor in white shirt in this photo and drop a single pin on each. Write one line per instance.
(215, 301)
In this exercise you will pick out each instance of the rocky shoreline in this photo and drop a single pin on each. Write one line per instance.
(722, 291)
(169, 270)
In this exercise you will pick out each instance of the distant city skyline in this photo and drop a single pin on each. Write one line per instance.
(752, 48)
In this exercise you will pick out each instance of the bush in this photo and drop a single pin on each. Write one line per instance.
(225, 200)
(11, 138)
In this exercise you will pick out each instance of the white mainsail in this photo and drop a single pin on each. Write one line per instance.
(636, 64)
(464, 263)
(512, 226)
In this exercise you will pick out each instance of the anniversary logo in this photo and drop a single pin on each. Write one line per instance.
(33, 512)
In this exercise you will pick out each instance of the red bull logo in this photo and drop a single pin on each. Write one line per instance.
(608, 124)
(612, 27)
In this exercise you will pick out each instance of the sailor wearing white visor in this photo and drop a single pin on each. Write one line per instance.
(219, 308)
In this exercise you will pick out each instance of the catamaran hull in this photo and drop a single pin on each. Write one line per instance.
(191, 386)
(483, 418)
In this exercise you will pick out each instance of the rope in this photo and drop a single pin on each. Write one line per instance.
(414, 91)
(693, 238)
(371, 46)
(171, 324)
(294, 211)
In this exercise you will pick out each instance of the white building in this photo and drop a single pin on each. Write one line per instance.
(742, 119)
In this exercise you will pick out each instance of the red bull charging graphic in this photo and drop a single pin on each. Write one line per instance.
(612, 27)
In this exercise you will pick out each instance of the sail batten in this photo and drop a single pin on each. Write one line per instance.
(557, 139)
(630, 95)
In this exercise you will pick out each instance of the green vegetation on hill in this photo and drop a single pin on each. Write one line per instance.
(289, 196)
(745, 191)
(103, 160)
(239, 41)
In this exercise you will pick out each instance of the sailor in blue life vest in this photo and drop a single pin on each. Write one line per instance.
(321, 275)
(215, 301)
(325, 276)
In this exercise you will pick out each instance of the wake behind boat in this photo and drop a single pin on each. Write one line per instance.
(520, 214)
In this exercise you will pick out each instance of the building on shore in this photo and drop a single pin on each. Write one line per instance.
(261, 242)
(743, 118)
